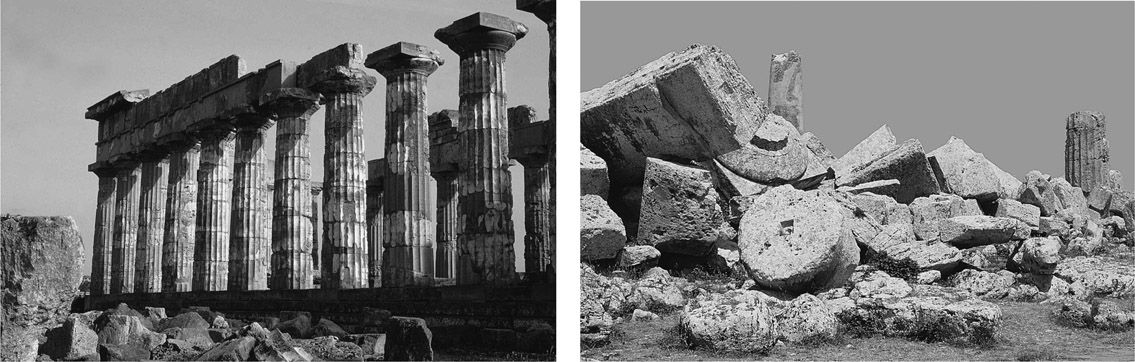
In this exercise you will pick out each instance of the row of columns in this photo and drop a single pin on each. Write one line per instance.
(188, 214)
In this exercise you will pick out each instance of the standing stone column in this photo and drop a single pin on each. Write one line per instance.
(344, 178)
(179, 244)
(316, 235)
(444, 160)
(376, 170)
(408, 235)
(151, 221)
(545, 10)
(104, 229)
(530, 146)
(1086, 153)
(786, 88)
(125, 227)
(485, 243)
(251, 241)
(214, 208)
(291, 206)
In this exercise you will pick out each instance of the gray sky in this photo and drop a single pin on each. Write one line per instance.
(1002, 76)
(61, 57)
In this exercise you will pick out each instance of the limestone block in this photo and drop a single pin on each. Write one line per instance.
(679, 211)
(797, 241)
(870, 148)
(592, 174)
(1029, 214)
(906, 163)
(42, 268)
(734, 321)
(640, 257)
(971, 231)
(1038, 255)
(969, 173)
(897, 242)
(408, 339)
(928, 212)
(601, 231)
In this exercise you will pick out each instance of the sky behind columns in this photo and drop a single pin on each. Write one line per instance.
(1003, 76)
(61, 57)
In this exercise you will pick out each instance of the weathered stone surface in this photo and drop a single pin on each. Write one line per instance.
(1038, 255)
(790, 241)
(191, 336)
(123, 329)
(786, 88)
(1053, 226)
(896, 241)
(735, 321)
(874, 146)
(298, 326)
(331, 349)
(123, 352)
(879, 285)
(944, 314)
(277, 346)
(601, 231)
(969, 173)
(929, 277)
(884, 209)
(711, 110)
(1086, 153)
(1052, 195)
(928, 212)
(1029, 214)
(640, 257)
(237, 349)
(971, 231)
(1100, 275)
(42, 258)
(680, 211)
(72, 341)
(1109, 315)
(656, 291)
(989, 257)
(1010, 185)
(729, 183)
(885, 187)
(593, 307)
(983, 284)
(593, 178)
(189, 320)
(408, 339)
(905, 162)
(325, 327)
(778, 156)
(805, 318)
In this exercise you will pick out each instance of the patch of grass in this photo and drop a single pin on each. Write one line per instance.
(905, 269)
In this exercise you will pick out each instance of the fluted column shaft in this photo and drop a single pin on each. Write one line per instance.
(125, 228)
(291, 210)
(151, 222)
(1086, 152)
(251, 241)
(316, 236)
(345, 253)
(539, 247)
(374, 232)
(447, 226)
(408, 229)
(104, 232)
(214, 209)
(179, 244)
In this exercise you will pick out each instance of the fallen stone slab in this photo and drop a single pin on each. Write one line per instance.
(1104, 276)
(797, 241)
(884, 209)
(692, 104)
(984, 284)
(1038, 255)
(874, 146)
(1029, 214)
(238, 349)
(124, 329)
(906, 163)
(71, 341)
(592, 174)
(971, 231)
(805, 318)
(882, 187)
(123, 352)
(187, 320)
(731, 184)
(656, 291)
(277, 346)
(601, 231)
(928, 212)
(639, 257)
(897, 242)
(41, 270)
(929, 312)
(326, 327)
(680, 211)
(969, 173)
(734, 321)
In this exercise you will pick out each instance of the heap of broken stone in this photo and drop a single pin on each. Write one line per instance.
(684, 167)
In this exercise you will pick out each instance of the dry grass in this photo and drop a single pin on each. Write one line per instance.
(1028, 334)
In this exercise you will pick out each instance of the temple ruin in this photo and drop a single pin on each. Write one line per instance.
(191, 201)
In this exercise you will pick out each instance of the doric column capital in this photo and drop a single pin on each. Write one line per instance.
(481, 31)
(544, 9)
(403, 57)
(178, 142)
(251, 122)
(220, 129)
(290, 103)
(102, 169)
(340, 79)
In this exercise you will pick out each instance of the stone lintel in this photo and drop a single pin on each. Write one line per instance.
(116, 102)
(480, 31)
(404, 57)
(347, 55)
(543, 9)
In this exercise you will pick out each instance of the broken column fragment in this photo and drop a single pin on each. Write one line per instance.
(680, 211)
(408, 231)
(774, 156)
(485, 244)
(1086, 154)
(786, 88)
(969, 173)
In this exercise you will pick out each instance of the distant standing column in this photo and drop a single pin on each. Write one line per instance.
(316, 236)
(446, 224)
(786, 88)
(179, 245)
(376, 170)
(151, 221)
(1086, 153)
(291, 233)
(125, 227)
(408, 230)
(214, 208)
(546, 10)
(251, 243)
(485, 245)
(104, 229)
(344, 178)
(530, 147)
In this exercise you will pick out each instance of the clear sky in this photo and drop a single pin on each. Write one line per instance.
(58, 58)
(1003, 76)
